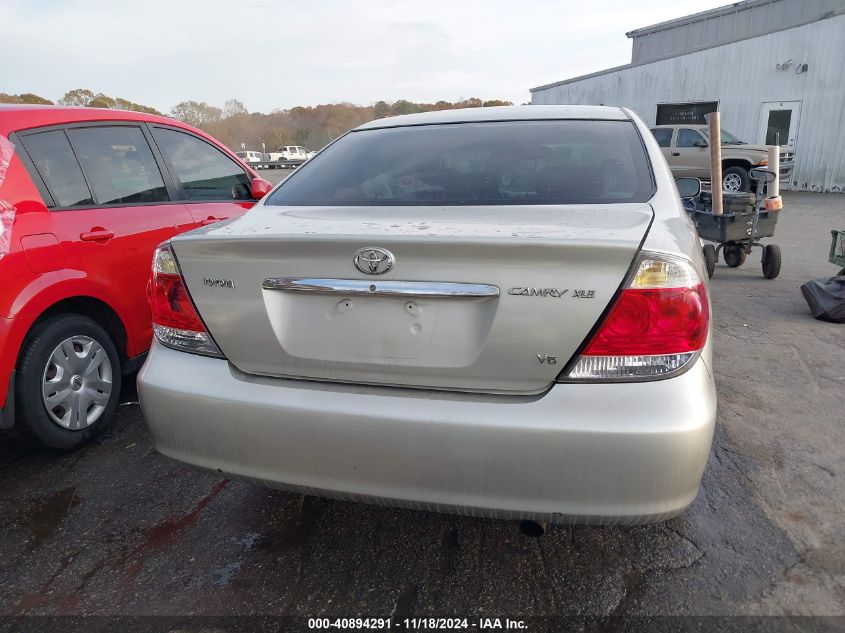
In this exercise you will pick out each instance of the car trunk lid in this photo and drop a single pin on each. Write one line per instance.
(478, 298)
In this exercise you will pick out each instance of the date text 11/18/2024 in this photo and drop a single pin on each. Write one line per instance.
(417, 624)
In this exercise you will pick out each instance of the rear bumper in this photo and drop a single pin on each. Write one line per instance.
(601, 453)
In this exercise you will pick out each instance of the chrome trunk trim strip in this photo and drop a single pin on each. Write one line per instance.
(380, 288)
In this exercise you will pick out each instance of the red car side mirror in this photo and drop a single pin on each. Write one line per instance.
(260, 188)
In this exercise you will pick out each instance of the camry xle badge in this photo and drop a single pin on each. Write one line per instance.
(373, 260)
(539, 292)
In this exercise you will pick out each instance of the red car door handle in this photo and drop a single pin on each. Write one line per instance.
(210, 220)
(96, 235)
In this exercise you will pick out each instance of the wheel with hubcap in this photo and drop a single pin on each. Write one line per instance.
(771, 261)
(67, 382)
(734, 255)
(735, 179)
(710, 258)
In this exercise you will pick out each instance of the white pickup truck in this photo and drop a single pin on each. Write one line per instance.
(291, 152)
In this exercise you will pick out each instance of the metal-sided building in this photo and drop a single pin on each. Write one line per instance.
(775, 70)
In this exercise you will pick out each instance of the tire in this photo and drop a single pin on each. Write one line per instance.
(734, 255)
(736, 179)
(79, 343)
(771, 261)
(710, 258)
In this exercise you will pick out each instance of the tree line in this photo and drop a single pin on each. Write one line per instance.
(80, 97)
(235, 126)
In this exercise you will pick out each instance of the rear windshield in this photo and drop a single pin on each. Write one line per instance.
(522, 162)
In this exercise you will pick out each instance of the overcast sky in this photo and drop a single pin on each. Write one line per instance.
(281, 53)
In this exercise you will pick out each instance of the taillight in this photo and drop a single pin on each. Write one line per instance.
(655, 328)
(175, 320)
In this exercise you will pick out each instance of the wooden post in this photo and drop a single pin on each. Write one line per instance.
(715, 161)
(774, 165)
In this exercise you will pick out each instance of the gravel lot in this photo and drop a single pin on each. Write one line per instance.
(117, 529)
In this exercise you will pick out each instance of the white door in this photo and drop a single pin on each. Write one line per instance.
(779, 123)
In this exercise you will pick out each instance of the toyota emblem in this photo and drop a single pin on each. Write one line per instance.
(373, 260)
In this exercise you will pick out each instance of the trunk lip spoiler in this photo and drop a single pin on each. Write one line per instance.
(357, 287)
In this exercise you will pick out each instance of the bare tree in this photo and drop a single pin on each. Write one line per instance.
(25, 97)
(85, 97)
(198, 114)
(233, 107)
(77, 97)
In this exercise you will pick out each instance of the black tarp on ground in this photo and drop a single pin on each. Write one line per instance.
(826, 298)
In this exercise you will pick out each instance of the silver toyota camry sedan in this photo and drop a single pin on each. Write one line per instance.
(500, 311)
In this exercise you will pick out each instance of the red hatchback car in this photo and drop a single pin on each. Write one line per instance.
(85, 197)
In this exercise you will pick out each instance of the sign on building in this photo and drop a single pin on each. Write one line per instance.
(671, 113)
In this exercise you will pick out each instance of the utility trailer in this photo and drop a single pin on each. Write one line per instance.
(737, 230)
(288, 156)
(277, 164)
